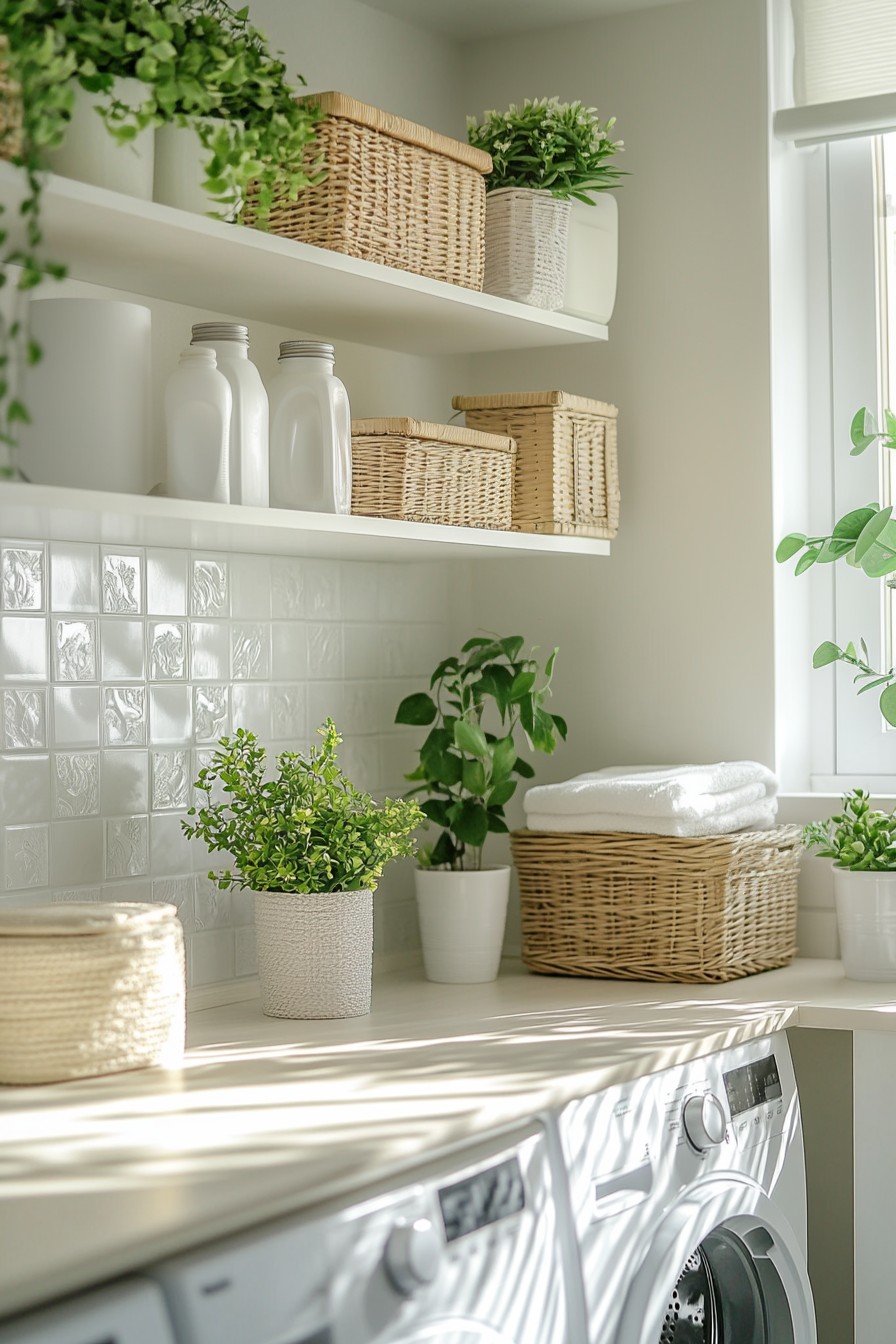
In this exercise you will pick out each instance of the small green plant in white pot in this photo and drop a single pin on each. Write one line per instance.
(312, 848)
(861, 841)
(468, 771)
(548, 157)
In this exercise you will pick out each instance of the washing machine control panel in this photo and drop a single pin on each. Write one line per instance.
(704, 1122)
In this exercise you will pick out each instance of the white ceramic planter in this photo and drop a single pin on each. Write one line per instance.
(179, 172)
(592, 259)
(525, 246)
(866, 920)
(315, 953)
(90, 154)
(462, 918)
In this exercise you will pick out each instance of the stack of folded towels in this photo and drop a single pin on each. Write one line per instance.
(684, 800)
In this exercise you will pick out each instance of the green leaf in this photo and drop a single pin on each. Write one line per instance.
(511, 646)
(825, 653)
(477, 642)
(789, 545)
(474, 778)
(879, 561)
(862, 431)
(807, 559)
(888, 705)
(419, 709)
(561, 726)
(435, 809)
(503, 754)
(471, 826)
(502, 793)
(470, 738)
(446, 665)
(872, 530)
(872, 685)
(497, 825)
(523, 769)
(522, 685)
(852, 524)
(542, 735)
(444, 851)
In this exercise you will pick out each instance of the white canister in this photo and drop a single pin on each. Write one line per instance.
(311, 441)
(90, 154)
(462, 916)
(249, 416)
(198, 406)
(179, 172)
(592, 259)
(89, 396)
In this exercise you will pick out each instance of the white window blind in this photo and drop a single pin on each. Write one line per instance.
(844, 70)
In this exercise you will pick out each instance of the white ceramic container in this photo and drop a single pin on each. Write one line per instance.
(311, 437)
(462, 917)
(315, 953)
(249, 466)
(198, 407)
(526, 236)
(592, 258)
(179, 172)
(866, 921)
(89, 397)
(90, 154)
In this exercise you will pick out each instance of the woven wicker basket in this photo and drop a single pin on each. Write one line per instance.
(648, 907)
(394, 192)
(432, 473)
(10, 108)
(566, 478)
(89, 989)
(526, 240)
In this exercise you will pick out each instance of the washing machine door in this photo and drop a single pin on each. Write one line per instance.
(451, 1331)
(724, 1267)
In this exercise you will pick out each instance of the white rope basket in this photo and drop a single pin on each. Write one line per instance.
(89, 989)
(526, 238)
(315, 953)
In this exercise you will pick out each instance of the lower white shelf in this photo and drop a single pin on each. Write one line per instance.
(59, 513)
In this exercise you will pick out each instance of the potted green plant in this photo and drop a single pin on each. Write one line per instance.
(546, 156)
(861, 841)
(312, 848)
(199, 63)
(469, 769)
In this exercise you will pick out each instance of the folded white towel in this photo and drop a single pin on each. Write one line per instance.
(687, 792)
(757, 816)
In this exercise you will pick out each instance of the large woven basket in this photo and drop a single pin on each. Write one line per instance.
(432, 473)
(10, 108)
(649, 907)
(526, 241)
(393, 192)
(567, 478)
(88, 989)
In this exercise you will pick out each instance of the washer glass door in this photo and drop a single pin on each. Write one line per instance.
(728, 1292)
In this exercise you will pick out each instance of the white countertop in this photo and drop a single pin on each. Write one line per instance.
(269, 1116)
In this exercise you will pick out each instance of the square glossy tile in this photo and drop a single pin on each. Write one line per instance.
(76, 852)
(170, 850)
(76, 716)
(210, 650)
(210, 712)
(129, 889)
(360, 591)
(122, 583)
(123, 649)
(177, 891)
(24, 724)
(76, 784)
(24, 788)
(170, 714)
(23, 648)
(167, 645)
(26, 854)
(213, 907)
(250, 651)
(324, 650)
(74, 577)
(209, 587)
(166, 582)
(289, 650)
(252, 709)
(22, 577)
(250, 587)
(322, 590)
(124, 784)
(361, 645)
(124, 716)
(288, 712)
(170, 780)
(74, 650)
(127, 846)
(287, 589)
(91, 895)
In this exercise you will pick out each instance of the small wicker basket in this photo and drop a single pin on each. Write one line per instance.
(648, 907)
(566, 479)
(427, 473)
(89, 989)
(10, 108)
(394, 192)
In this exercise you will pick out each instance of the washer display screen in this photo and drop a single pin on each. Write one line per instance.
(752, 1085)
(482, 1199)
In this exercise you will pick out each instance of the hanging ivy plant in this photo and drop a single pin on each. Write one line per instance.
(203, 65)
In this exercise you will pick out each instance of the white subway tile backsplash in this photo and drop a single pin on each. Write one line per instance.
(121, 667)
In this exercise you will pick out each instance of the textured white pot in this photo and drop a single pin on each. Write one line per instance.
(179, 172)
(592, 259)
(315, 953)
(526, 236)
(866, 920)
(90, 154)
(462, 917)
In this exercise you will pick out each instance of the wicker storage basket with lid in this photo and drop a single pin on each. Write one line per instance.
(616, 905)
(566, 479)
(427, 473)
(89, 989)
(394, 192)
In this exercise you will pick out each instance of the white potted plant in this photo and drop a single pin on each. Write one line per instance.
(468, 771)
(312, 848)
(549, 157)
(862, 844)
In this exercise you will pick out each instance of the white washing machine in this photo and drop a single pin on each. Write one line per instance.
(689, 1201)
(128, 1312)
(465, 1253)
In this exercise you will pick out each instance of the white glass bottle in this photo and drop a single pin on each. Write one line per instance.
(198, 406)
(311, 443)
(249, 418)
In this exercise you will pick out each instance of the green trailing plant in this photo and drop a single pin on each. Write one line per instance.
(550, 146)
(866, 539)
(467, 770)
(202, 64)
(858, 838)
(308, 830)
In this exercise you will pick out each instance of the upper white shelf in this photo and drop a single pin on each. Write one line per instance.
(138, 246)
(58, 513)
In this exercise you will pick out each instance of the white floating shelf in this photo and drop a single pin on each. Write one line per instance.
(138, 246)
(61, 514)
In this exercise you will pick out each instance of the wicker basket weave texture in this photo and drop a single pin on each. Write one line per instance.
(526, 240)
(647, 907)
(427, 473)
(89, 989)
(10, 108)
(567, 476)
(394, 193)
